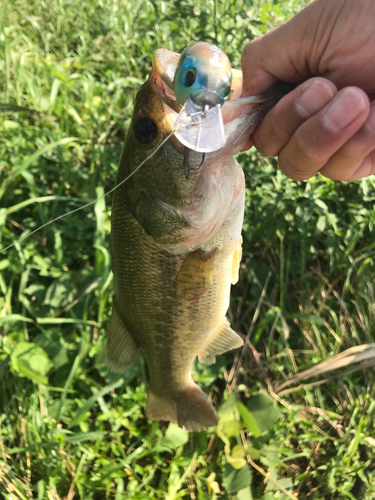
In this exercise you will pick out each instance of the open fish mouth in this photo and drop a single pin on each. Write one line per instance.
(241, 115)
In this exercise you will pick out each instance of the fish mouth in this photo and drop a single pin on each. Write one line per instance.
(241, 115)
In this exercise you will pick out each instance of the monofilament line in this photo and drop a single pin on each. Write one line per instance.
(22, 238)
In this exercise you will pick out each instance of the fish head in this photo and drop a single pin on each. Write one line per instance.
(157, 161)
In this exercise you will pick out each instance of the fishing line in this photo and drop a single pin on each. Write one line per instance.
(22, 238)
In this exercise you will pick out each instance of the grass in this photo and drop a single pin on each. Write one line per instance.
(71, 429)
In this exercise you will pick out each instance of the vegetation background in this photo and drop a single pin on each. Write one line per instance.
(69, 429)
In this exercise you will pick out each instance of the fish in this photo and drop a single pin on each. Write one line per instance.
(176, 240)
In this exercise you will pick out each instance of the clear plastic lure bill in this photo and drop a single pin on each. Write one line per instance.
(201, 130)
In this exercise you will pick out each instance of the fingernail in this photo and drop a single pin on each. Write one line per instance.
(344, 109)
(370, 122)
(313, 99)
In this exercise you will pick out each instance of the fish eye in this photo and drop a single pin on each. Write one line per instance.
(145, 130)
(189, 77)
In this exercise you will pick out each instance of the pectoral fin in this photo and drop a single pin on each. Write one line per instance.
(195, 275)
(122, 349)
(225, 340)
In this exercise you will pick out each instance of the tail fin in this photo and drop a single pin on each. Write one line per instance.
(189, 408)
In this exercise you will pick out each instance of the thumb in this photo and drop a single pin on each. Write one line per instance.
(281, 54)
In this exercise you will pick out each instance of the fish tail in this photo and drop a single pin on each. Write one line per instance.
(189, 408)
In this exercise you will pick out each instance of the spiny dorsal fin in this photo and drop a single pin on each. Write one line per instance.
(122, 349)
(224, 341)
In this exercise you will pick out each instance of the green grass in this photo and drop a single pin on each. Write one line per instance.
(68, 427)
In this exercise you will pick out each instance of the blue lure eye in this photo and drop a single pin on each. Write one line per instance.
(203, 73)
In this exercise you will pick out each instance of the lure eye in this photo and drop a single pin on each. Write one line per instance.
(189, 77)
(145, 130)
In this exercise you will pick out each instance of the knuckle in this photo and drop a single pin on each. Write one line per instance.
(293, 170)
(308, 148)
(262, 146)
(269, 138)
(250, 49)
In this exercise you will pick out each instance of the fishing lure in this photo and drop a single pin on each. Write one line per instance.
(202, 84)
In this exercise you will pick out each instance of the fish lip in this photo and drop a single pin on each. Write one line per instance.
(164, 65)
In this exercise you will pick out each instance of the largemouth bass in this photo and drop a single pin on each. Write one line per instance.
(176, 246)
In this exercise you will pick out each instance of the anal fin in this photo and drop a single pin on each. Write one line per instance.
(225, 340)
(122, 349)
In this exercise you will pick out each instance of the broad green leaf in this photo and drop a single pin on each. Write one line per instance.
(236, 463)
(232, 428)
(174, 437)
(228, 406)
(264, 411)
(212, 485)
(270, 455)
(51, 343)
(286, 482)
(61, 292)
(253, 452)
(245, 494)
(10, 124)
(237, 457)
(236, 479)
(248, 419)
(4, 263)
(31, 361)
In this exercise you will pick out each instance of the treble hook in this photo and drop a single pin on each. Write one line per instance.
(185, 163)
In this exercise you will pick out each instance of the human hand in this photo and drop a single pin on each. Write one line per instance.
(327, 123)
